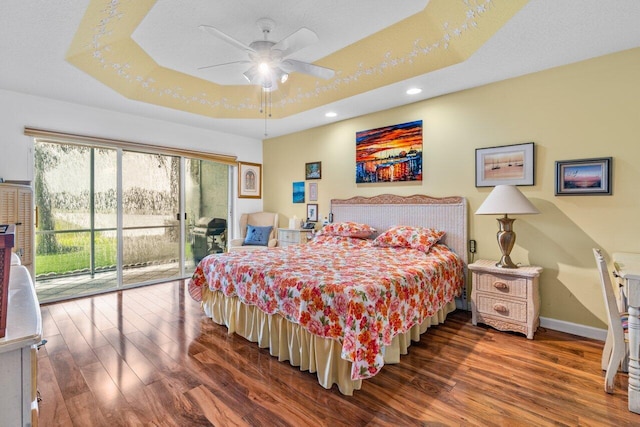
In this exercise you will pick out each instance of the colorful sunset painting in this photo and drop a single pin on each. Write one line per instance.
(389, 154)
(582, 176)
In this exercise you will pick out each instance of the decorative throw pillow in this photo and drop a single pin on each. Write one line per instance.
(340, 241)
(420, 238)
(257, 236)
(347, 229)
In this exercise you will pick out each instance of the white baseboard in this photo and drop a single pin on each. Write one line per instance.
(558, 325)
(574, 328)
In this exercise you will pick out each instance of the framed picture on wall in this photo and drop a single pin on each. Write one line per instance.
(298, 192)
(313, 170)
(249, 180)
(312, 212)
(584, 177)
(389, 154)
(313, 191)
(507, 164)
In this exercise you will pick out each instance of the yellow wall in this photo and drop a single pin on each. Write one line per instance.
(583, 110)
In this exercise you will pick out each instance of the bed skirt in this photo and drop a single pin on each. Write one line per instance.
(288, 341)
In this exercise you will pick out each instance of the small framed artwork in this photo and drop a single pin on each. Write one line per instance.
(313, 170)
(298, 192)
(507, 164)
(583, 177)
(312, 212)
(313, 191)
(249, 180)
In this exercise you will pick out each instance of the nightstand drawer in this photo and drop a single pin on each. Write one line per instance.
(288, 236)
(291, 236)
(502, 285)
(508, 308)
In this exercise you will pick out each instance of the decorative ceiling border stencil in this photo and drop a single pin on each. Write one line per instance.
(445, 33)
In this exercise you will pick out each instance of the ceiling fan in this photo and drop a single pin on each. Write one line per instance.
(268, 60)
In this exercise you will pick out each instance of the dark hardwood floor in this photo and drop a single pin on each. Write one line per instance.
(148, 356)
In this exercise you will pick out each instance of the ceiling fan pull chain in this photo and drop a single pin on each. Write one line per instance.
(263, 107)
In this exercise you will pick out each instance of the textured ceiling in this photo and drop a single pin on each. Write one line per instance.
(142, 56)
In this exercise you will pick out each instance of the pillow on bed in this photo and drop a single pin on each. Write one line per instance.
(420, 238)
(347, 229)
(340, 241)
(257, 236)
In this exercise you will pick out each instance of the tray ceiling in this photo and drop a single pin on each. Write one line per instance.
(389, 47)
(141, 57)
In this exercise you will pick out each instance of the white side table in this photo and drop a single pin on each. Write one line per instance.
(506, 298)
(293, 236)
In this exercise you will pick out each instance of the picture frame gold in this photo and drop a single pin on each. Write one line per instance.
(249, 180)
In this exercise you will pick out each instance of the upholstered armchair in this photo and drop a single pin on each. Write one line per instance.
(253, 232)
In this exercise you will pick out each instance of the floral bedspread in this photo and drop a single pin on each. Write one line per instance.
(347, 290)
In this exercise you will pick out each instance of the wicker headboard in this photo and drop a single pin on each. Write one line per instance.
(448, 214)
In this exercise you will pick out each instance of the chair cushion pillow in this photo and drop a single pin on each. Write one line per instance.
(257, 236)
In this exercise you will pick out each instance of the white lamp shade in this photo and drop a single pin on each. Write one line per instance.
(506, 199)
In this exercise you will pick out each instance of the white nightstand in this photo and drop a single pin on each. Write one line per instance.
(506, 298)
(293, 236)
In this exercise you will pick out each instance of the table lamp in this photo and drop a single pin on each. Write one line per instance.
(506, 200)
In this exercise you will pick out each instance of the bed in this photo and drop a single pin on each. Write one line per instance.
(343, 306)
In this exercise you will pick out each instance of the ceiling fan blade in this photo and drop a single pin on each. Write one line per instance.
(296, 41)
(223, 64)
(291, 65)
(226, 38)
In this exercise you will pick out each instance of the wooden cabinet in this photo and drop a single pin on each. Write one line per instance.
(506, 298)
(16, 207)
(18, 359)
(290, 236)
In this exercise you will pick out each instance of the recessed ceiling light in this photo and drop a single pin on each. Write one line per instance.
(414, 91)
(331, 114)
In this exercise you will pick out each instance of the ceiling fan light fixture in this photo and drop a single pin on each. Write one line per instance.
(252, 75)
(269, 60)
(264, 68)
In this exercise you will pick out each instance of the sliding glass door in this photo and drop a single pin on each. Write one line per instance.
(207, 208)
(111, 218)
(75, 197)
(150, 222)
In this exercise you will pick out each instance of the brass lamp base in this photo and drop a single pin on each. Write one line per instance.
(506, 239)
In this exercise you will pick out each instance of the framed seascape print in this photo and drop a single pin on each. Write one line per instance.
(389, 154)
(312, 212)
(313, 191)
(507, 164)
(249, 180)
(313, 170)
(298, 192)
(584, 177)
